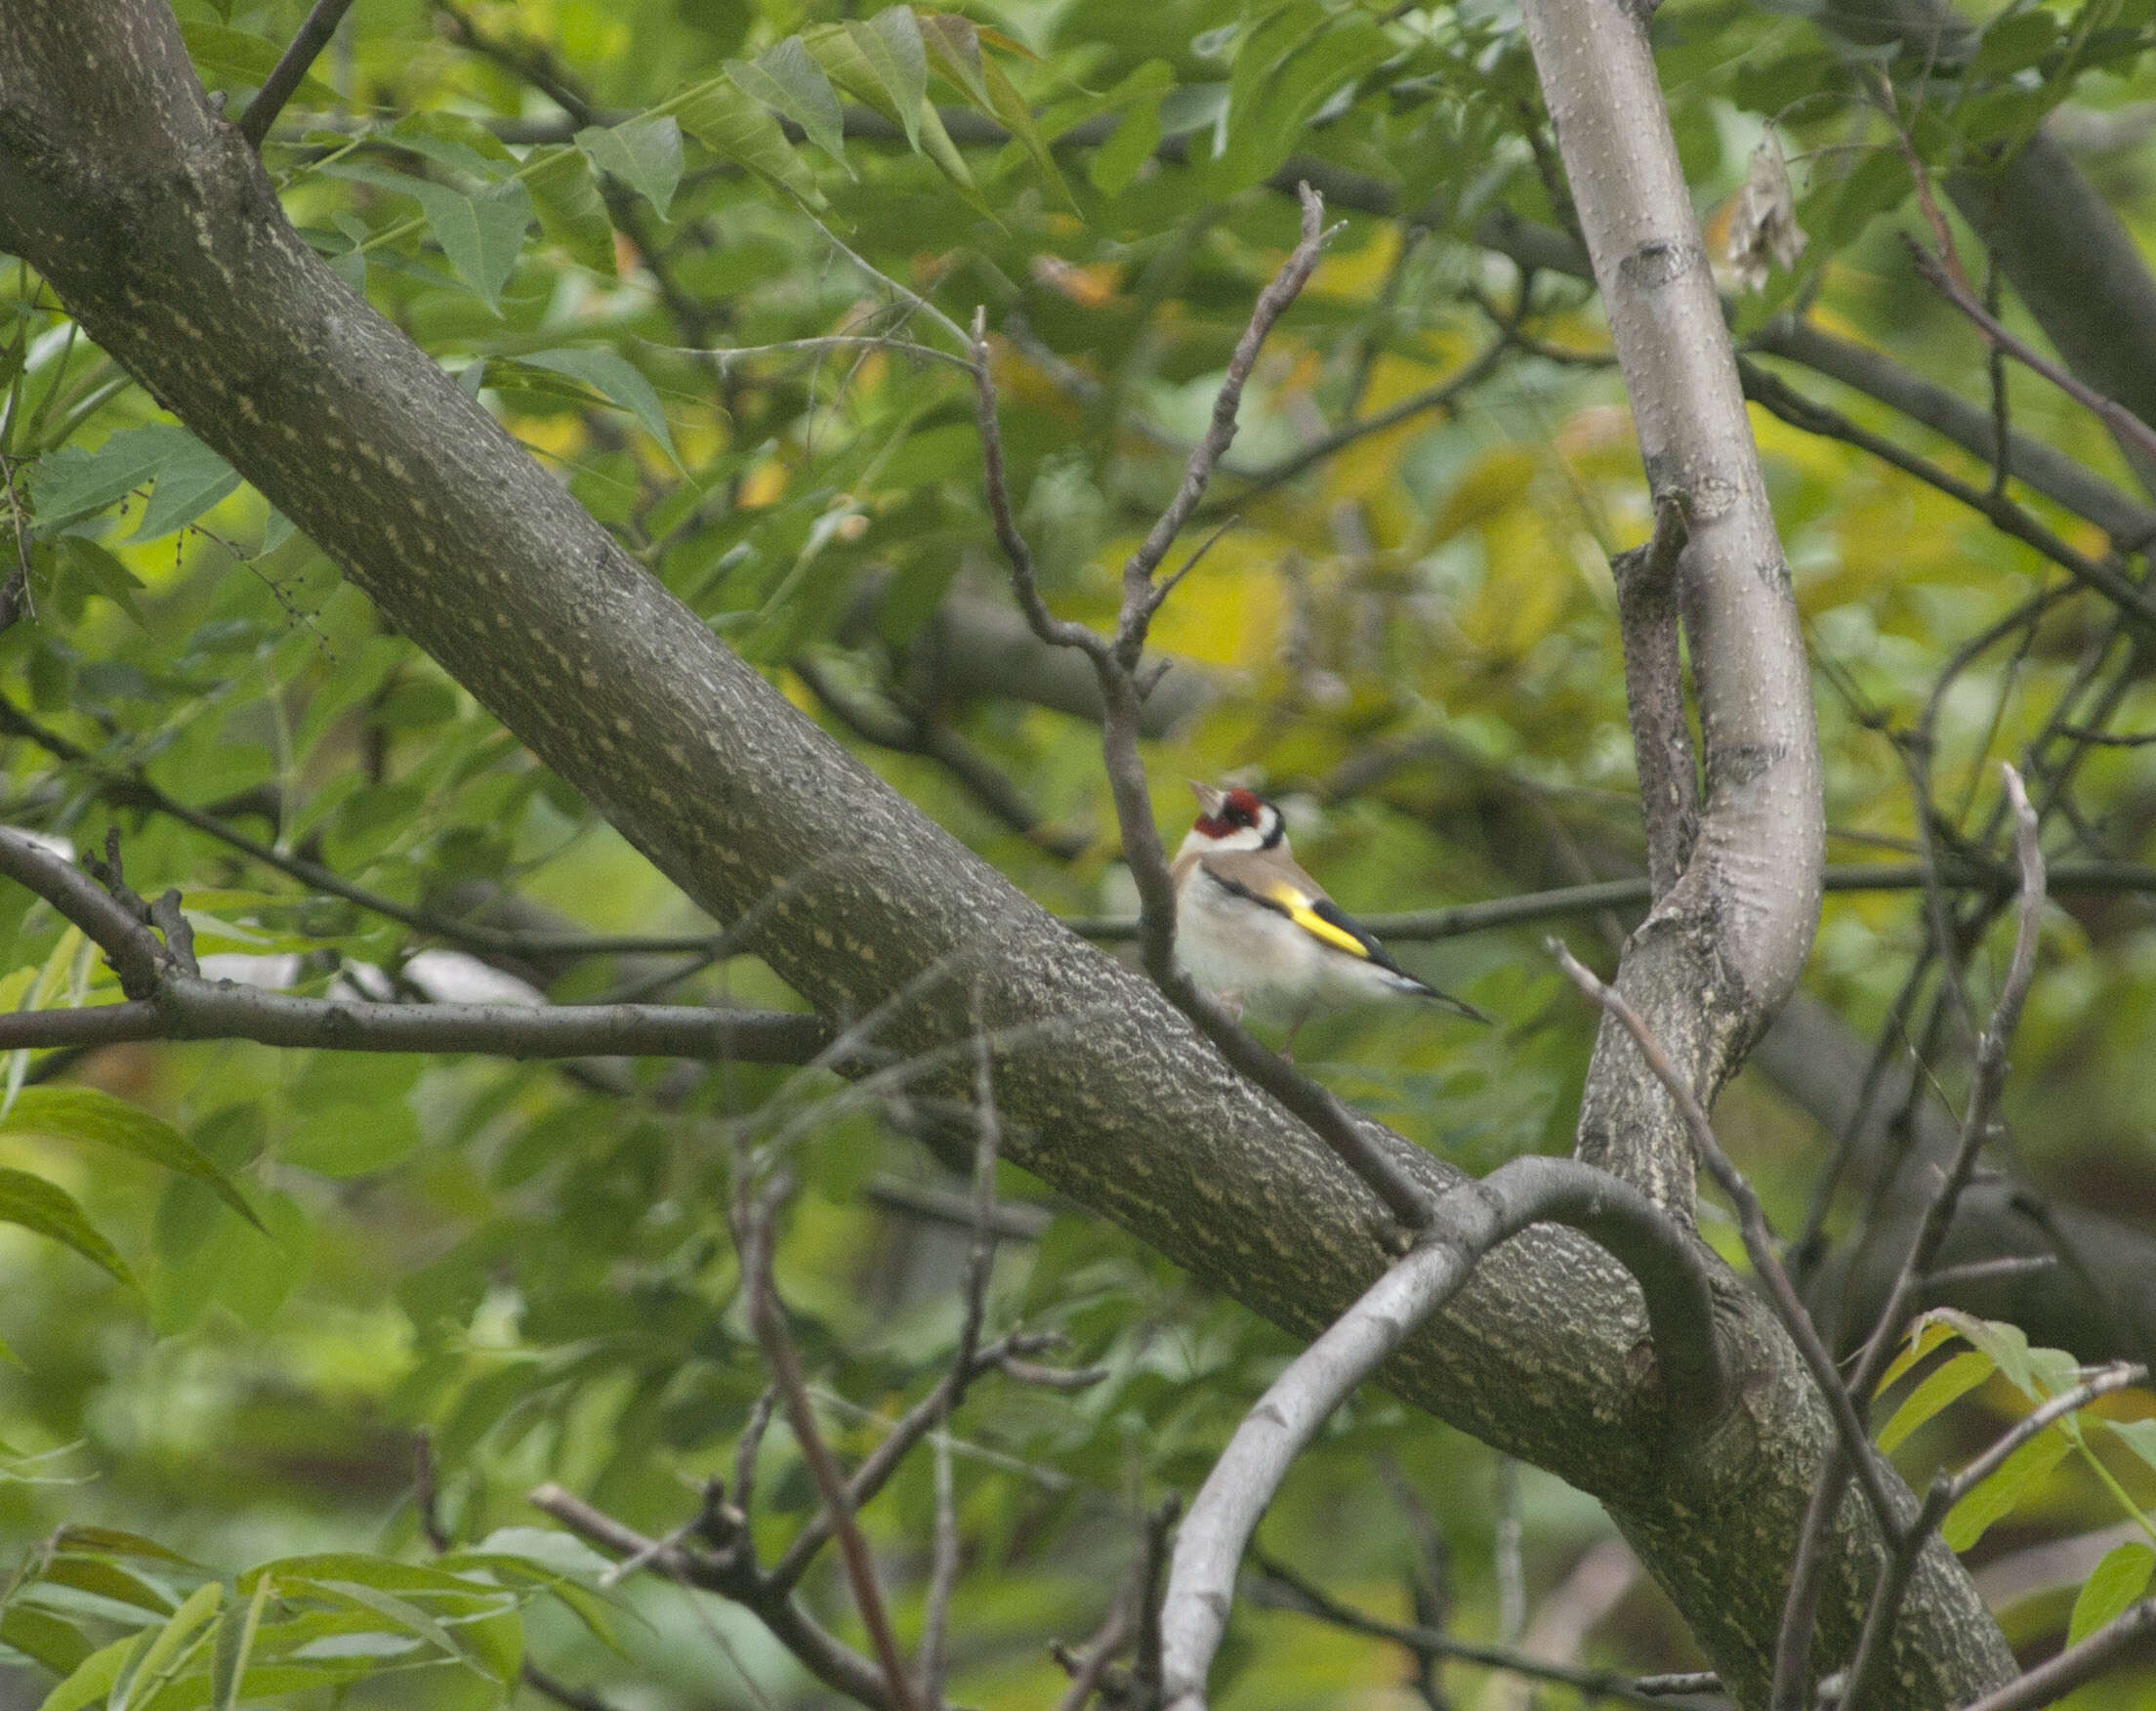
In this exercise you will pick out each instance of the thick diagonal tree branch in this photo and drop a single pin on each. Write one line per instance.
(152, 220)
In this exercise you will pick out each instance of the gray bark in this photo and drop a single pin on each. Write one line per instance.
(1725, 944)
(152, 220)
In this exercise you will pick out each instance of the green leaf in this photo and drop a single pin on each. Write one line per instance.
(401, 1613)
(728, 122)
(936, 144)
(2138, 1435)
(2015, 42)
(87, 1113)
(889, 46)
(480, 236)
(953, 47)
(107, 1579)
(494, 1645)
(571, 212)
(164, 1646)
(51, 1211)
(1953, 1379)
(193, 478)
(235, 1639)
(790, 83)
(44, 1639)
(2037, 1373)
(2112, 1585)
(238, 57)
(615, 379)
(536, 1550)
(93, 1677)
(1265, 49)
(457, 141)
(113, 1542)
(644, 153)
(1998, 1496)
(353, 1140)
(1010, 106)
(883, 65)
(1269, 121)
(1118, 161)
(83, 558)
(69, 485)
(386, 1574)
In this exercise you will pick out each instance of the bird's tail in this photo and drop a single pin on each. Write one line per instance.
(1458, 1005)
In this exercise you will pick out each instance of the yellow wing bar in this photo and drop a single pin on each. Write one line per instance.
(1305, 915)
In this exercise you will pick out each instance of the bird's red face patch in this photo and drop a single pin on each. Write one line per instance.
(1239, 810)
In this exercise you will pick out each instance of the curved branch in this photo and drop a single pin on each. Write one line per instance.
(1667, 1261)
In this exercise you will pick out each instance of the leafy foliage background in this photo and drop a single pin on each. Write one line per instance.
(533, 1265)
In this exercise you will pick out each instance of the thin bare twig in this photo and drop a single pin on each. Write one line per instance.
(1006, 1354)
(943, 1559)
(729, 1574)
(2128, 427)
(306, 45)
(133, 788)
(1865, 1677)
(1116, 666)
(1812, 417)
(1983, 1098)
(1296, 1593)
(1792, 1648)
(769, 1319)
(1958, 872)
(2054, 1678)
(1131, 1619)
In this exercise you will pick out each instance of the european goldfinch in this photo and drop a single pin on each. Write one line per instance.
(1261, 934)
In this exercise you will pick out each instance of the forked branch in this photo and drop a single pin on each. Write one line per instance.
(1667, 1261)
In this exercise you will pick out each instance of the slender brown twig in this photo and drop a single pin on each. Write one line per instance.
(1116, 661)
(2128, 427)
(769, 1319)
(1285, 1589)
(307, 44)
(1893, 1586)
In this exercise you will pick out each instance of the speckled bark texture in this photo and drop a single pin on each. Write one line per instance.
(153, 223)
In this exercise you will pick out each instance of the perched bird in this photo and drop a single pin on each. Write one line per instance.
(1261, 934)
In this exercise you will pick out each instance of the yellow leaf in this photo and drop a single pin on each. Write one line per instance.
(1229, 611)
(1356, 275)
(761, 486)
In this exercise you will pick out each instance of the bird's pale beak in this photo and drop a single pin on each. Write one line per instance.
(1209, 798)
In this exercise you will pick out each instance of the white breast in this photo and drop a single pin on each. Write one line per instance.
(1240, 950)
